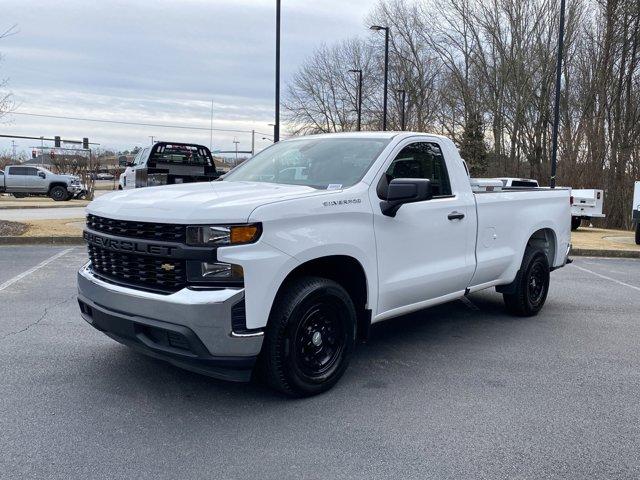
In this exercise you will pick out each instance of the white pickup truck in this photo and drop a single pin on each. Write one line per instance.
(287, 274)
(24, 180)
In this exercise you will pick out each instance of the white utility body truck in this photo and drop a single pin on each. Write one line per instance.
(635, 210)
(586, 203)
(286, 273)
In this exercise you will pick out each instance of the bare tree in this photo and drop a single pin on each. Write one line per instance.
(482, 71)
(6, 99)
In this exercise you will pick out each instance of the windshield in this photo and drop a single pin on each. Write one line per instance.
(314, 162)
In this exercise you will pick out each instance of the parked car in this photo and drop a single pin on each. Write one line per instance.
(635, 210)
(105, 176)
(586, 204)
(167, 163)
(286, 274)
(22, 181)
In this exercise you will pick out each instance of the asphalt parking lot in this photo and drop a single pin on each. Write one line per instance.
(458, 391)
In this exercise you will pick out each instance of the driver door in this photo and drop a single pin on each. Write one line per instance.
(38, 180)
(422, 251)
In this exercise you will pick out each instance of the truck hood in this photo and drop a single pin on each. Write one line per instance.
(212, 202)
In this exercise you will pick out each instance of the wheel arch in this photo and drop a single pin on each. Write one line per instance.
(345, 270)
(544, 239)
(52, 185)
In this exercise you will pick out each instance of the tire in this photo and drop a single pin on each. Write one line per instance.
(59, 193)
(638, 233)
(309, 338)
(531, 285)
(575, 223)
(20, 195)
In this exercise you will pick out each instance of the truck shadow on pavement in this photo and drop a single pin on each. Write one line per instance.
(413, 343)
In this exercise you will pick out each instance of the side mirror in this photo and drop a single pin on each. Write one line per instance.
(42, 175)
(405, 190)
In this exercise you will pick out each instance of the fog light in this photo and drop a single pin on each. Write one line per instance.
(211, 272)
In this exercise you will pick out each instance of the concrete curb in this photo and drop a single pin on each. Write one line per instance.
(592, 252)
(41, 241)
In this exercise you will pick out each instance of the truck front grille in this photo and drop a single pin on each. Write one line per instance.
(164, 275)
(164, 232)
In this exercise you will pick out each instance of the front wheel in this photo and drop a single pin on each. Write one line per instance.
(575, 223)
(530, 286)
(59, 193)
(19, 195)
(309, 337)
(638, 233)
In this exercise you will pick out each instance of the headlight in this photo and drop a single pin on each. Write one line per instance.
(214, 272)
(223, 235)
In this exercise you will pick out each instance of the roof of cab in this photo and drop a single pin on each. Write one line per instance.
(369, 134)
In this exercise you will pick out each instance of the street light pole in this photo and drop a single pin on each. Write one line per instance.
(276, 128)
(386, 72)
(403, 99)
(359, 96)
(556, 106)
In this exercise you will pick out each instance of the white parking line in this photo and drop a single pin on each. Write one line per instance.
(19, 277)
(606, 278)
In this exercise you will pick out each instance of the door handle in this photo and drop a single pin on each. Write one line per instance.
(455, 216)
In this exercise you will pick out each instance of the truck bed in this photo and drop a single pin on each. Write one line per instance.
(507, 218)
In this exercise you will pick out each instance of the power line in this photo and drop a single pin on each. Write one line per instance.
(120, 122)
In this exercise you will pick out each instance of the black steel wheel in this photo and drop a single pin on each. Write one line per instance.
(319, 339)
(59, 193)
(309, 337)
(529, 290)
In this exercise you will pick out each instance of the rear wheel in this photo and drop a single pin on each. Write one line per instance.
(638, 233)
(530, 286)
(59, 193)
(309, 337)
(575, 223)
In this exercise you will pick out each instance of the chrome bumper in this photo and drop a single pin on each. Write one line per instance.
(205, 313)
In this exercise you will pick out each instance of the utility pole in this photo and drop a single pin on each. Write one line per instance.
(13, 150)
(211, 129)
(151, 137)
(236, 142)
(276, 128)
(556, 106)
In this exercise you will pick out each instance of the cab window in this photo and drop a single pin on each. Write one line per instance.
(419, 160)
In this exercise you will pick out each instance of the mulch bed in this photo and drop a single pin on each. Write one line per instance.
(12, 229)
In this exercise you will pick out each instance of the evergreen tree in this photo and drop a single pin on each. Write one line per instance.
(472, 146)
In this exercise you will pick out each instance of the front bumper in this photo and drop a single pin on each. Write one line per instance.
(191, 329)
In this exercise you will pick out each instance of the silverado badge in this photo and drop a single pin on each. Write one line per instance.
(167, 267)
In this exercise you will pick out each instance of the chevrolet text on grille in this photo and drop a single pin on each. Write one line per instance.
(128, 245)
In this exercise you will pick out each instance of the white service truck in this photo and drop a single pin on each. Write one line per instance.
(586, 203)
(635, 210)
(286, 274)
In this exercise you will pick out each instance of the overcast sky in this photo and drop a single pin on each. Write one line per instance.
(158, 62)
